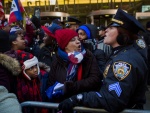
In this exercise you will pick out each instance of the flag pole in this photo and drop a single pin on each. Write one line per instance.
(26, 13)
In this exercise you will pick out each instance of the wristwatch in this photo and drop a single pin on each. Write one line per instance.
(79, 97)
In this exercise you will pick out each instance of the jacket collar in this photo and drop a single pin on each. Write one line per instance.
(11, 64)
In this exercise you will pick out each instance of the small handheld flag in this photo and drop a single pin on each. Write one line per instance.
(15, 13)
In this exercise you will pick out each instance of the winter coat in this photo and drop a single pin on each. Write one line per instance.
(9, 70)
(91, 78)
(98, 53)
(8, 102)
(124, 83)
(106, 48)
(46, 55)
(101, 59)
(43, 76)
(33, 90)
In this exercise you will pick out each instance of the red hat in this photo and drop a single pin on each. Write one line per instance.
(47, 31)
(27, 60)
(63, 36)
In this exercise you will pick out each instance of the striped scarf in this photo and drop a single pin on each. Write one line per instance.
(74, 67)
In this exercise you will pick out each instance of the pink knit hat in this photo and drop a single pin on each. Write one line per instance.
(63, 36)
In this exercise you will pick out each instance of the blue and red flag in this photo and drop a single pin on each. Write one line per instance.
(21, 7)
(15, 12)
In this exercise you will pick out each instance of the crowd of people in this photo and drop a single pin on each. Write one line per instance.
(74, 65)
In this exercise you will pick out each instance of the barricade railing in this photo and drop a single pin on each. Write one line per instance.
(54, 106)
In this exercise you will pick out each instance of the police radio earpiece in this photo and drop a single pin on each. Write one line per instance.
(123, 39)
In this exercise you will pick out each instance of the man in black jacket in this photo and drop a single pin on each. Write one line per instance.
(146, 37)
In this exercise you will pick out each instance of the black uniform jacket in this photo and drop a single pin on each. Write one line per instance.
(124, 83)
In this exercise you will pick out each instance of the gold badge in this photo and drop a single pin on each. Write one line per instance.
(106, 71)
(121, 70)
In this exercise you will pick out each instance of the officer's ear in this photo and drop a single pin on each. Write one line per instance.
(123, 39)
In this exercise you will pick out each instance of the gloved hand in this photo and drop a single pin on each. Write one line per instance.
(67, 105)
(69, 87)
(55, 91)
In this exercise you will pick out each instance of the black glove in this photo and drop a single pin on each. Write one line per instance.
(67, 105)
(69, 88)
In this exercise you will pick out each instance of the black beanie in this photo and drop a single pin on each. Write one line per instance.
(4, 41)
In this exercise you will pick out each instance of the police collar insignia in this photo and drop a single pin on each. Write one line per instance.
(121, 70)
(106, 70)
(141, 43)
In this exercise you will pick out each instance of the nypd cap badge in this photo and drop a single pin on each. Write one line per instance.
(121, 70)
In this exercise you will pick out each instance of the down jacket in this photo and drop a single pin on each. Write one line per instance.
(9, 70)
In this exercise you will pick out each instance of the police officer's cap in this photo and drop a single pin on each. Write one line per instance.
(72, 21)
(57, 21)
(126, 21)
(101, 28)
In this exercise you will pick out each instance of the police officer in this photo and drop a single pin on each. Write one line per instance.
(146, 37)
(125, 73)
(72, 23)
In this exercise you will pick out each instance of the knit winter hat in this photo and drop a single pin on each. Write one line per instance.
(63, 36)
(86, 30)
(47, 31)
(27, 60)
(53, 27)
(14, 29)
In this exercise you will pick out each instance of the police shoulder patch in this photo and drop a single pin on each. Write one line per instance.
(121, 70)
(141, 43)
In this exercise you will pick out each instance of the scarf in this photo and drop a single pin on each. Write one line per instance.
(75, 66)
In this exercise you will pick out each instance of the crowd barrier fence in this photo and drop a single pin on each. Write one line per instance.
(54, 106)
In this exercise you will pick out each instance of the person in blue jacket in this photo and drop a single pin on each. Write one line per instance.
(125, 73)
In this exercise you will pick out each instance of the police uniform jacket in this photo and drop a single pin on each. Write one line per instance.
(124, 83)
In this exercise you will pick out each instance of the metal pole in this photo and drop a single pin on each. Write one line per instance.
(101, 4)
(90, 5)
(97, 4)
(121, 3)
(64, 6)
(74, 9)
(77, 108)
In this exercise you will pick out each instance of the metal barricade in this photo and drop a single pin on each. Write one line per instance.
(54, 106)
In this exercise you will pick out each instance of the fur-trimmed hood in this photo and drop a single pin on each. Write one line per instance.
(44, 66)
(11, 64)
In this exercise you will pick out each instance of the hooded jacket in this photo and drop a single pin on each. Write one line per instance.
(9, 70)
(98, 53)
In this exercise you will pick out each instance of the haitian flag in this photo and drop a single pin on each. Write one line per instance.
(15, 13)
(20, 6)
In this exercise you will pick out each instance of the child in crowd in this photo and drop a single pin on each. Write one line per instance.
(28, 83)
